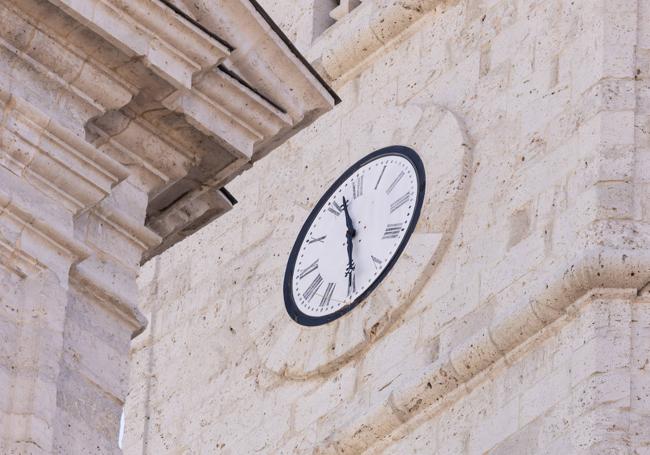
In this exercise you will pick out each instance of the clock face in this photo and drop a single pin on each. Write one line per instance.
(354, 235)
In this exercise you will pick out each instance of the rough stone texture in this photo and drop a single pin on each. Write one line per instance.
(528, 335)
(120, 121)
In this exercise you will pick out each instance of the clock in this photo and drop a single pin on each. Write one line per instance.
(354, 235)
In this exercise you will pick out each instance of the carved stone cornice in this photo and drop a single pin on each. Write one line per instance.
(209, 97)
(145, 92)
(222, 107)
(172, 47)
(35, 234)
(54, 159)
(72, 85)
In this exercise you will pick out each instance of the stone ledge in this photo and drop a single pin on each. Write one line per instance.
(114, 289)
(592, 270)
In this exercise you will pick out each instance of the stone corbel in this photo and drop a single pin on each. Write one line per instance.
(222, 107)
(358, 35)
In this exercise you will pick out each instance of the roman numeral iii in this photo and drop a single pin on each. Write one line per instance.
(392, 231)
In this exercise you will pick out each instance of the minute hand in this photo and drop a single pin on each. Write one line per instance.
(349, 234)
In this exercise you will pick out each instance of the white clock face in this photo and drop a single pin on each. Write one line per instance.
(342, 255)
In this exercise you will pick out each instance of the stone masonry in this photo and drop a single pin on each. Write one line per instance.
(120, 124)
(519, 320)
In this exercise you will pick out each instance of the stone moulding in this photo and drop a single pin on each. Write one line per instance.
(90, 276)
(222, 108)
(90, 174)
(53, 232)
(198, 94)
(173, 48)
(593, 268)
(364, 31)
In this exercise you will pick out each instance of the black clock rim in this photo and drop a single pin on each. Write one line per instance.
(289, 302)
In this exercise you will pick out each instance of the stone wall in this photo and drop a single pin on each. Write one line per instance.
(522, 332)
(119, 128)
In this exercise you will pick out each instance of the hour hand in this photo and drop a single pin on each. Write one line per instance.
(348, 221)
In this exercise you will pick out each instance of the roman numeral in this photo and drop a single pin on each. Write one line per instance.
(377, 261)
(308, 269)
(400, 202)
(335, 208)
(380, 176)
(328, 294)
(357, 187)
(395, 182)
(392, 231)
(313, 288)
(317, 240)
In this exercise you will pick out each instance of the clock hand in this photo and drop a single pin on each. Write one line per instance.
(349, 234)
(348, 221)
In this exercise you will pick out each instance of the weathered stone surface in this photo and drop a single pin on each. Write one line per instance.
(527, 335)
(120, 123)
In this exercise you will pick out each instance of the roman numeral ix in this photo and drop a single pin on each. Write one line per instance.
(313, 288)
(392, 231)
(400, 202)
